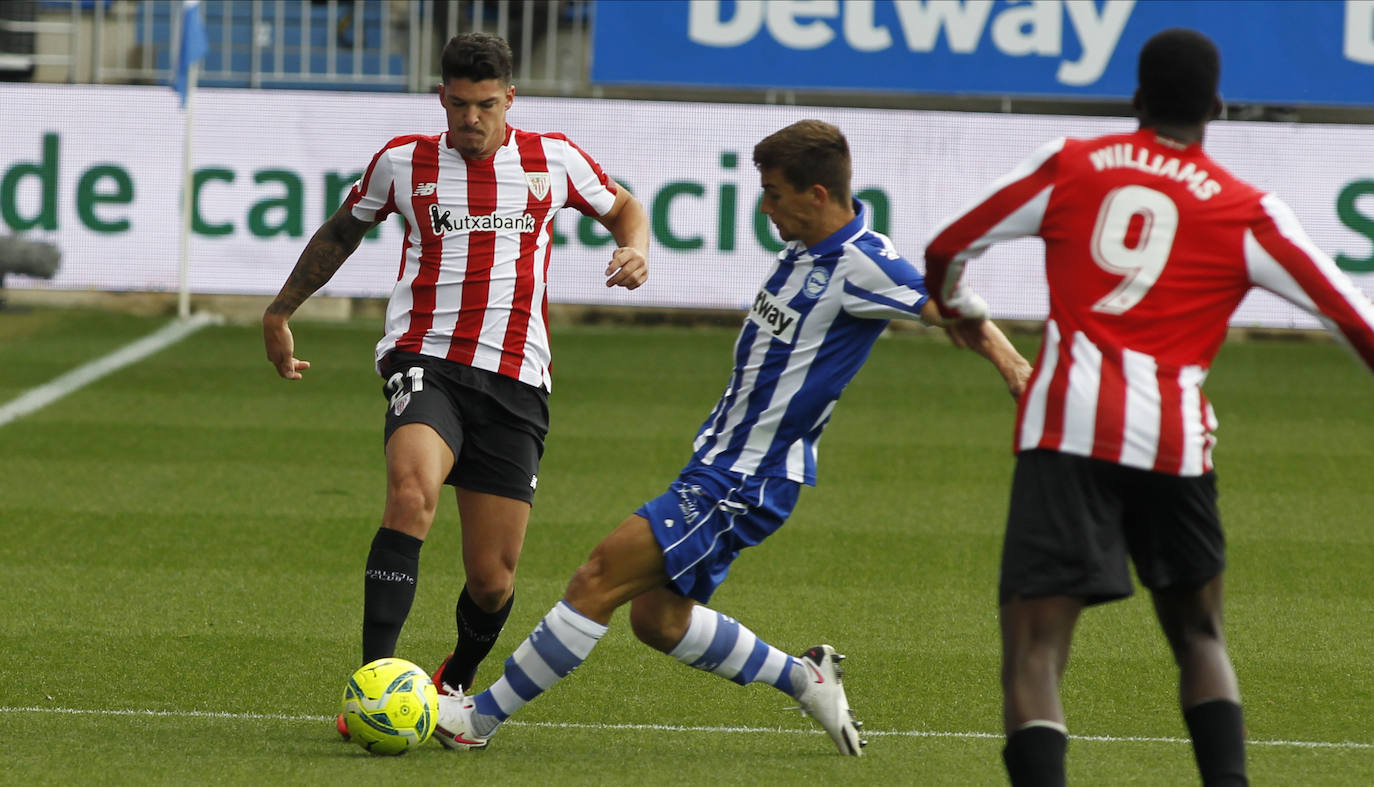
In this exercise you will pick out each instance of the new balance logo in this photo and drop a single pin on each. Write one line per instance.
(425, 189)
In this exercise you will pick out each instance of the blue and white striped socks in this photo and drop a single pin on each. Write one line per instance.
(561, 641)
(714, 643)
(720, 644)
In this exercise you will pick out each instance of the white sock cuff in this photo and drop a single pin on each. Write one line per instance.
(701, 629)
(1054, 725)
(583, 624)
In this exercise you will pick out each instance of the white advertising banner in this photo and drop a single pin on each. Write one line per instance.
(96, 169)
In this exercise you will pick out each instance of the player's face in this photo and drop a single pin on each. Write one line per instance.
(793, 212)
(476, 114)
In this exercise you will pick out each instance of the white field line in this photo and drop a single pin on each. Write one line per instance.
(44, 395)
(189, 714)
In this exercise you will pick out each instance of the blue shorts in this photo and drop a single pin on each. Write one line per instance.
(707, 516)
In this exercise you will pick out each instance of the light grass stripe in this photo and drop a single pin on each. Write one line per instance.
(673, 727)
(37, 398)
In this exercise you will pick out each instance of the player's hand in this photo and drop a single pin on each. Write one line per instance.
(628, 268)
(1017, 375)
(281, 347)
(986, 339)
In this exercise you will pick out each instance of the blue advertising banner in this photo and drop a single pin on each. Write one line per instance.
(1273, 51)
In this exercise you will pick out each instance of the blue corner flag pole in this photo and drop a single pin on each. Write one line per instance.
(194, 46)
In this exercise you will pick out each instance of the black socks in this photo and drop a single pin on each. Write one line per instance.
(477, 633)
(1034, 756)
(388, 590)
(1218, 742)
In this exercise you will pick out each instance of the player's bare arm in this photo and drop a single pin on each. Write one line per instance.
(331, 244)
(986, 339)
(629, 225)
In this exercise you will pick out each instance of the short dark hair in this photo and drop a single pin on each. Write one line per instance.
(1178, 74)
(808, 152)
(478, 57)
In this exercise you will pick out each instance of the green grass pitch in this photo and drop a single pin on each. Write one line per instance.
(181, 547)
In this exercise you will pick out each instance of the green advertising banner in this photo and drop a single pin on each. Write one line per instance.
(97, 170)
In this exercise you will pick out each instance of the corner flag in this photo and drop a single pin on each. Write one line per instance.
(194, 46)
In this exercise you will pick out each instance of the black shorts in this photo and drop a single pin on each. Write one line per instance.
(1074, 520)
(495, 425)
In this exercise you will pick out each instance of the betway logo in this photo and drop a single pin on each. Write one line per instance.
(777, 317)
(1017, 30)
(443, 221)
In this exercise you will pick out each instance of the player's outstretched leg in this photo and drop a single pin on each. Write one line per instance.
(561, 641)
(721, 645)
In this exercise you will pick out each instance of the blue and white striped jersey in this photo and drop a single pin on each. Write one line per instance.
(809, 330)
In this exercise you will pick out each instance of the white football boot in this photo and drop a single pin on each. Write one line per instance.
(454, 729)
(824, 700)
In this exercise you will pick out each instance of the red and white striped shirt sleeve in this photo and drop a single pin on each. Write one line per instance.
(1012, 207)
(590, 191)
(373, 196)
(1282, 259)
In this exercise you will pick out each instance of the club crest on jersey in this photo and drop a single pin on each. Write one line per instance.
(539, 184)
(816, 282)
(772, 314)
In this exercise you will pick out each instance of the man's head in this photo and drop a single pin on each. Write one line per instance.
(477, 57)
(1177, 75)
(476, 92)
(804, 170)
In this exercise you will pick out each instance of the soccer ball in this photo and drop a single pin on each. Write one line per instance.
(390, 706)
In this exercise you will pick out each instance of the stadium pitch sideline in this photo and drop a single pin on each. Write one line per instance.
(193, 714)
(36, 399)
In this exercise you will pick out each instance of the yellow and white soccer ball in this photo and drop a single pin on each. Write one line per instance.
(390, 706)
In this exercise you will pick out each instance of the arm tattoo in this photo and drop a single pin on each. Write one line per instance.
(321, 259)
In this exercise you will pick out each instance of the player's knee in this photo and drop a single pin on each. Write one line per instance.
(490, 590)
(584, 580)
(1200, 634)
(409, 501)
(651, 628)
(1195, 633)
(588, 588)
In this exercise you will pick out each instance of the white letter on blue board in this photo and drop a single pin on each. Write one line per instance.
(1359, 31)
(704, 25)
(1099, 36)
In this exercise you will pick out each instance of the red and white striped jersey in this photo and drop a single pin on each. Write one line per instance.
(1149, 248)
(474, 263)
